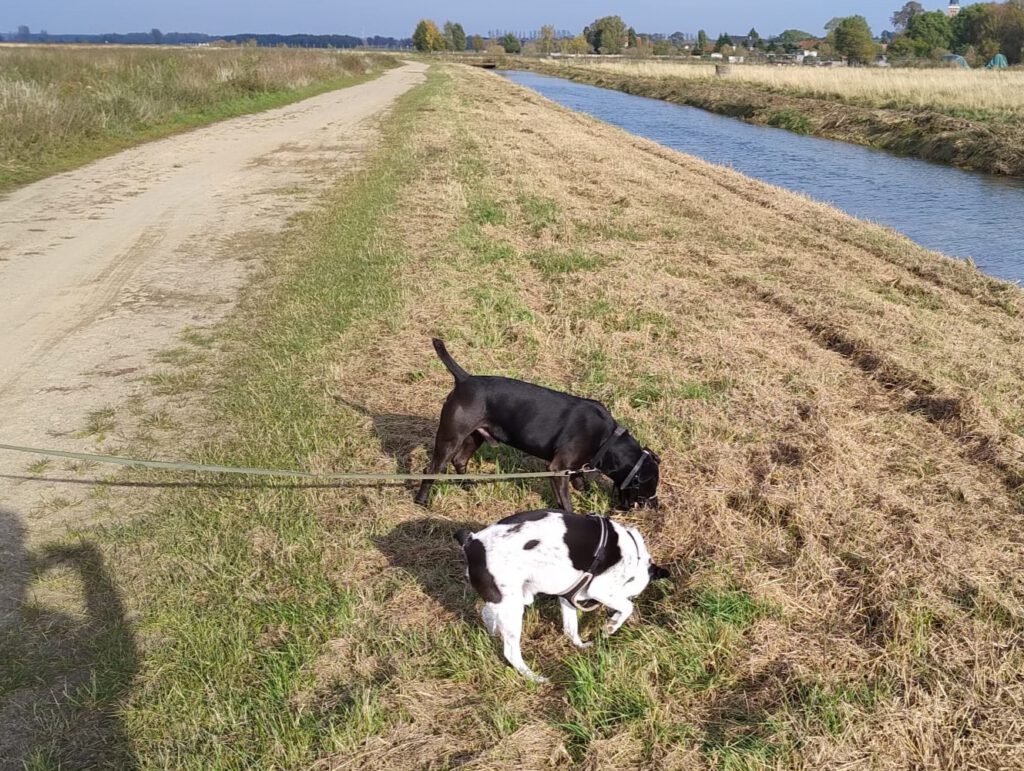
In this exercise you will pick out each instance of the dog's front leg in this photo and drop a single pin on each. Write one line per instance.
(562, 491)
(570, 623)
(622, 608)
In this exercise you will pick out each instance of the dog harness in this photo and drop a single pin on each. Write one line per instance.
(572, 593)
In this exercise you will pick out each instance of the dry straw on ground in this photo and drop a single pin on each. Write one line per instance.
(945, 89)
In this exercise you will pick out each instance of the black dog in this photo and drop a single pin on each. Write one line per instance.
(567, 431)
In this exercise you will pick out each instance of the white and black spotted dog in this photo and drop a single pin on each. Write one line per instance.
(585, 560)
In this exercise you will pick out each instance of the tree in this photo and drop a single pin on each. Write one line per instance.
(831, 24)
(901, 18)
(607, 35)
(478, 43)
(546, 41)
(930, 31)
(990, 28)
(678, 39)
(24, 34)
(790, 39)
(724, 41)
(575, 45)
(631, 38)
(157, 35)
(427, 37)
(702, 43)
(852, 39)
(510, 43)
(454, 36)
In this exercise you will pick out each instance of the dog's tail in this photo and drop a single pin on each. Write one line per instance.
(462, 536)
(446, 358)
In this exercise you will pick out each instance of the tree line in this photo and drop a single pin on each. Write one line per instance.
(156, 37)
(978, 32)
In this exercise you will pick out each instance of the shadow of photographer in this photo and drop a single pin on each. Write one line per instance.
(63, 673)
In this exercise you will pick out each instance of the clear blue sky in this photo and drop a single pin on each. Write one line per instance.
(398, 17)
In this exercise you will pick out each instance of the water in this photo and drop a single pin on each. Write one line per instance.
(960, 213)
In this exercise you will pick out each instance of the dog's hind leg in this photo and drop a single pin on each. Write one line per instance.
(509, 624)
(571, 623)
(445, 446)
(489, 613)
(469, 447)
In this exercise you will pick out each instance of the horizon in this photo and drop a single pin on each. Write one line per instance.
(364, 19)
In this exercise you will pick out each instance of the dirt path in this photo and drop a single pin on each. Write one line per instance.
(104, 266)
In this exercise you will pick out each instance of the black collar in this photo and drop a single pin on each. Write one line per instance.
(636, 468)
(605, 446)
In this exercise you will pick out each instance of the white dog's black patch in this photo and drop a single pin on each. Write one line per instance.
(479, 576)
(582, 536)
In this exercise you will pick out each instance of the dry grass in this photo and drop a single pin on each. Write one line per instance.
(839, 412)
(62, 103)
(947, 90)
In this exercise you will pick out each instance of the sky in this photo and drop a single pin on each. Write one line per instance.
(397, 18)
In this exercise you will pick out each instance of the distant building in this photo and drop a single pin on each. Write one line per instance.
(954, 8)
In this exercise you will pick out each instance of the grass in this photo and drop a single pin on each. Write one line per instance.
(839, 509)
(63, 106)
(993, 95)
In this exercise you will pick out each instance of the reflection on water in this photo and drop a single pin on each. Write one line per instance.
(960, 213)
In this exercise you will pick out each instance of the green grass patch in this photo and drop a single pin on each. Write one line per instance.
(539, 212)
(99, 423)
(791, 120)
(556, 262)
(484, 211)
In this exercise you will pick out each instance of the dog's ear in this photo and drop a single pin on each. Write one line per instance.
(657, 572)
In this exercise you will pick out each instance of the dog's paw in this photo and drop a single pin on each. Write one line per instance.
(611, 627)
(583, 645)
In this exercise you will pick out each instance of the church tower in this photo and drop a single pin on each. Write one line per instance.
(954, 8)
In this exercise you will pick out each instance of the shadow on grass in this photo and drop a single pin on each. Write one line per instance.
(426, 550)
(400, 435)
(62, 675)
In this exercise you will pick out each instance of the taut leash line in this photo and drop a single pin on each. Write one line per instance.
(269, 472)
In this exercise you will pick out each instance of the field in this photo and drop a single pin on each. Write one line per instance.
(840, 415)
(970, 119)
(61, 106)
(998, 95)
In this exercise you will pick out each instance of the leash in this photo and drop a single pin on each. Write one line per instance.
(268, 472)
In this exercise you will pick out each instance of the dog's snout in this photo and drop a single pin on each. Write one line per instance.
(651, 503)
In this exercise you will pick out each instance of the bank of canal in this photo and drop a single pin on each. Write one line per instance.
(961, 213)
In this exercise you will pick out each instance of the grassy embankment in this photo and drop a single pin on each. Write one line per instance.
(838, 410)
(61, 107)
(973, 119)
